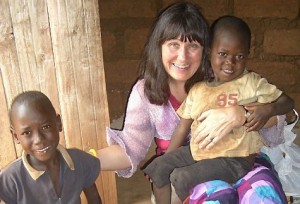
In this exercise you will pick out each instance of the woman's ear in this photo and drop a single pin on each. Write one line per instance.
(14, 135)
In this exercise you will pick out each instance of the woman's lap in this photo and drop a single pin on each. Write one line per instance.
(261, 185)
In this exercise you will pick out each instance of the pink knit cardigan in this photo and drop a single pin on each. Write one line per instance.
(144, 121)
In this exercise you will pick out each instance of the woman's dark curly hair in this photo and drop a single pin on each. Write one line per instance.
(182, 20)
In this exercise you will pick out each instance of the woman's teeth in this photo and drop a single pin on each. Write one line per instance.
(180, 66)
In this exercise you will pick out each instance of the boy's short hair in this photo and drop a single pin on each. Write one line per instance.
(29, 97)
(233, 22)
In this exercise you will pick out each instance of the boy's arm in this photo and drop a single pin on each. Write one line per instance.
(181, 132)
(271, 122)
(92, 194)
(260, 114)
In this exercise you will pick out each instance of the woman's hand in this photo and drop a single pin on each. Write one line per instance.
(216, 124)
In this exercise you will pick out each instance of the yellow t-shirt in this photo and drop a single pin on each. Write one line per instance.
(248, 88)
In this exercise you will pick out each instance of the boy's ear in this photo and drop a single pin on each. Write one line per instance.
(14, 135)
(58, 122)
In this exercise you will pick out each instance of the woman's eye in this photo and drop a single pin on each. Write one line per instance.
(174, 45)
(194, 46)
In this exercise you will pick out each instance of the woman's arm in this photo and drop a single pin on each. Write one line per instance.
(128, 147)
(113, 158)
(217, 123)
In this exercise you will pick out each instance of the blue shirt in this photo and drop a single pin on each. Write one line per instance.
(21, 183)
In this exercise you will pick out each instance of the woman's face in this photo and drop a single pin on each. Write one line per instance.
(181, 59)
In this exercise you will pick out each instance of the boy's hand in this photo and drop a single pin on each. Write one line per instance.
(259, 116)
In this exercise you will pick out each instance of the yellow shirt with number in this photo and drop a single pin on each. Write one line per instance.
(248, 88)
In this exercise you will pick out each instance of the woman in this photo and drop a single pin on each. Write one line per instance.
(172, 61)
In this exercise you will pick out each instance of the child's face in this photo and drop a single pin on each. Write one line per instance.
(228, 55)
(37, 129)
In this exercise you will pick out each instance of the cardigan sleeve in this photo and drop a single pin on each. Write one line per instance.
(138, 130)
(274, 135)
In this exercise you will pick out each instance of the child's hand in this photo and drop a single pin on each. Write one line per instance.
(259, 116)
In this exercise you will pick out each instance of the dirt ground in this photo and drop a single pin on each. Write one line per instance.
(135, 190)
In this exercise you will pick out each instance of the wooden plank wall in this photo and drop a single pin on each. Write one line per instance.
(55, 47)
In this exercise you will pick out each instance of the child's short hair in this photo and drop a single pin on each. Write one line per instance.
(29, 97)
(233, 22)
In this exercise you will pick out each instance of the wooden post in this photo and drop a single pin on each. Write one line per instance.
(55, 47)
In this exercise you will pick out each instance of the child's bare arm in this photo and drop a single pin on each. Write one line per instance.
(92, 194)
(260, 114)
(181, 132)
(271, 122)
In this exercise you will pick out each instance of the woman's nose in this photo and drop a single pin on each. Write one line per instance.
(182, 53)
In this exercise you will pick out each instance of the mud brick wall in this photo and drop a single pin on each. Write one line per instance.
(275, 52)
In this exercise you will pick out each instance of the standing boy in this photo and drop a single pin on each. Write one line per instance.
(47, 173)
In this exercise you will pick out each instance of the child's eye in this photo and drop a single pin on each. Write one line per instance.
(26, 133)
(240, 57)
(223, 54)
(45, 127)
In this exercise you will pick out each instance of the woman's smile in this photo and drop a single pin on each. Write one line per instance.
(180, 66)
(181, 59)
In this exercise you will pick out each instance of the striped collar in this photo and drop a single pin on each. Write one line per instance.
(35, 174)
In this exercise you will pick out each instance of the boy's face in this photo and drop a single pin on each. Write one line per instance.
(228, 55)
(37, 129)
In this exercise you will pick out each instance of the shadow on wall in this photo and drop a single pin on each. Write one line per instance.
(117, 123)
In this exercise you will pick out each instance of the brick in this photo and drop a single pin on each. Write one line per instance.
(135, 40)
(274, 71)
(282, 42)
(125, 26)
(296, 98)
(211, 9)
(121, 71)
(266, 8)
(127, 8)
(109, 42)
(115, 103)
